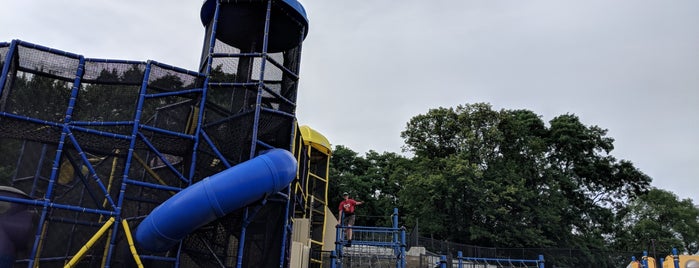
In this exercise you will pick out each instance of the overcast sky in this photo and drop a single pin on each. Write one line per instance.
(629, 66)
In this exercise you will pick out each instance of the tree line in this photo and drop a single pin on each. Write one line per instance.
(479, 176)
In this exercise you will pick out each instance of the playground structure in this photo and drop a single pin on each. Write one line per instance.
(378, 247)
(674, 260)
(209, 166)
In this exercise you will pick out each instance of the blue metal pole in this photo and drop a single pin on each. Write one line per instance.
(675, 258)
(57, 160)
(127, 164)
(333, 259)
(541, 261)
(459, 258)
(396, 244)
(402, 248)
(19, 162)
(287, 226)
(644, 260)
(443, 261)
(39, 165)
(241, 240)
(6, 66)
(261, 83)
(338, 240)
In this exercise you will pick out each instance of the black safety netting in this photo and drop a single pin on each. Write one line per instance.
(4, 48)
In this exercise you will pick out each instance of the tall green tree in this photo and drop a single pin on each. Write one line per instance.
(503, 178)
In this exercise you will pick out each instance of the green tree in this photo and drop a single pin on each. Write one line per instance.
(374, 179)
(503, 178)
(658, 218)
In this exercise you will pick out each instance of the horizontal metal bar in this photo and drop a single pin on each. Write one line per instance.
(174, 93)
(235, 55)
(102, 123)
(114, 61)
(277, 112)
(30, 119)
(168, 132)
(176, 69)
(99, 132)
(153, 185)
(42, 203)
(73, 221)
(226, 84)
(157, 258)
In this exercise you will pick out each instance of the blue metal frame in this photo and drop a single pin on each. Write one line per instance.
(397, 242)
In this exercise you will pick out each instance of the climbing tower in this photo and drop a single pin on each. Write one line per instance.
(251, 55)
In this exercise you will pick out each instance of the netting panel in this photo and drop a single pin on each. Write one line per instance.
(162, 79)
(4, 48)
(222, 47)
(106, 102)
(38, 96)
(101, 72)
(233, 137)
(45, 62)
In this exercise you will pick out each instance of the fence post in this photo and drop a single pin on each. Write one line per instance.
(443, 261)
(675, 258)
(541, 261)
(338, 240)
(644, 260)
(333, 259)
(403, 255)
(459, 256)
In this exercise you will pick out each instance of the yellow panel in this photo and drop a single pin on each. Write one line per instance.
(315, 139)
(330, 223)
(686, 261)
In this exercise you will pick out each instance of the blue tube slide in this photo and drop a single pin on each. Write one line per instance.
(214, 197)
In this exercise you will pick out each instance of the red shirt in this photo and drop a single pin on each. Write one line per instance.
(347, 206)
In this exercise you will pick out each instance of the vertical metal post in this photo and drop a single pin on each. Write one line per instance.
(644, 260)
(402, 248)
(333, 259)
(459, 258)
(338, 241)
(541, 261)
(129, 157)
(38, 170)
(6, 67)
(443, 261)
(675, 258)
(57, 159)
(261, 82)
(395, 242)
(241, 240)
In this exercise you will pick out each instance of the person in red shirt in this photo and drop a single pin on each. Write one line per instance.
(346, 215)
